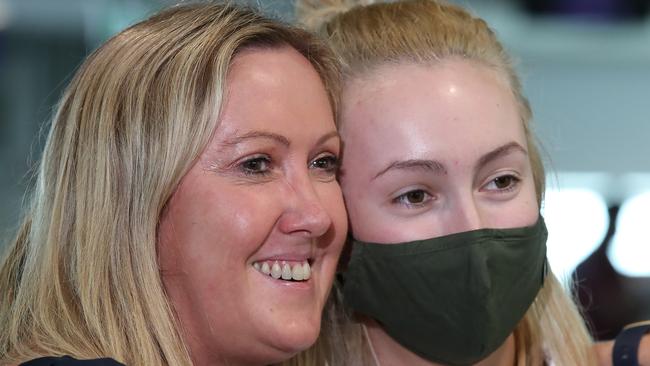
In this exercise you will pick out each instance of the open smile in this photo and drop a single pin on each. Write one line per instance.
(298, 271)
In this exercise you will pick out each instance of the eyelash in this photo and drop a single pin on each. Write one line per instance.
(402, 199)
(245, 167)
(331, 161)
(514, 182)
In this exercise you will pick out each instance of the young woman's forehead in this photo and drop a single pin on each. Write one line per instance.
(449, 109)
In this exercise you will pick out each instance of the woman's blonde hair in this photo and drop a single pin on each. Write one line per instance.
(365, 36)
(81, 278)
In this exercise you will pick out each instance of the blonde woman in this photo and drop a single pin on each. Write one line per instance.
(443, 184)
(186, 210)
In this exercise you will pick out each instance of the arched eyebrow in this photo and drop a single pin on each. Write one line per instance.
(327, 136)
(256, 135)
(500, 152)
(438, 168)
(433, 166)
(275, 137)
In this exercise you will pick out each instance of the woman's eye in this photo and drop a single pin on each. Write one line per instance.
(327, 163)
(503, 183)
(416, 197)
(256, 165)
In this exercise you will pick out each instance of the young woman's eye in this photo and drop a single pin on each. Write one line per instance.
(326, 163)
(503, 183)
(414, 198)
(257, 165)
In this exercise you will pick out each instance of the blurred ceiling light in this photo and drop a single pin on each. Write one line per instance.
(577, 221)
(629, 251)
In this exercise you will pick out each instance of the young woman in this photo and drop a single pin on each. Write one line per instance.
(186, 210)
(443, 184)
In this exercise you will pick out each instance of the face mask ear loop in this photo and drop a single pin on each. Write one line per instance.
(372, 349)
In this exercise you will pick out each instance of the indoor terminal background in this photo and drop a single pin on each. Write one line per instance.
(585, 65)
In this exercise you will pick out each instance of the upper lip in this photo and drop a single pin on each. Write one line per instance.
(301, 254)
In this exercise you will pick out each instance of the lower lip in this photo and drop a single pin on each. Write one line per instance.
(292, 285)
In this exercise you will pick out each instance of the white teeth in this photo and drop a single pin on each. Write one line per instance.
(296, 273)
(284, 270)
(276, 272)
(306, 271)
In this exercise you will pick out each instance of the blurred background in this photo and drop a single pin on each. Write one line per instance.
(585, 66)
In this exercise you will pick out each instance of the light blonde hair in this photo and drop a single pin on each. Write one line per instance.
(81, 278)
(366, 36)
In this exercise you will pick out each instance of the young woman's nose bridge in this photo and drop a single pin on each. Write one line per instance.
(465, 214)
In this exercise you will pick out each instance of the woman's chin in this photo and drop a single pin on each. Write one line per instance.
(296, 337)
(276, 347)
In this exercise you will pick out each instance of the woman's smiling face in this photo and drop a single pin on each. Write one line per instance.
(249, 241)
(432, 150)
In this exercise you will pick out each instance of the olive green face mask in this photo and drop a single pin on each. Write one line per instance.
(452, 299)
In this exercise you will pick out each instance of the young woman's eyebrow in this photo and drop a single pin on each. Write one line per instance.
(433, 166)
(499, 152)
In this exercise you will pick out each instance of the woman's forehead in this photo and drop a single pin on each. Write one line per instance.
(414, 109)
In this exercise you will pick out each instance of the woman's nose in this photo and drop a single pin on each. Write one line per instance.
(465, 215)
(305, 212)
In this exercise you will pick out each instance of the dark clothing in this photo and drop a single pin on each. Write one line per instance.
(69, 361)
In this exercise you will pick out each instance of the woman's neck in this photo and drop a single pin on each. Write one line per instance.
(389, 352)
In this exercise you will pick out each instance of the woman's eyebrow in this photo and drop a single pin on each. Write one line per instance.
(415, 164)
(499, 152)
(272, 136)
(256, 135)
(327, 136)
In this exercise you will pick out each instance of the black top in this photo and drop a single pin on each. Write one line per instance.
(69, 361)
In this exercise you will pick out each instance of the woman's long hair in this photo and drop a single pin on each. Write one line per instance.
(81, 277)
